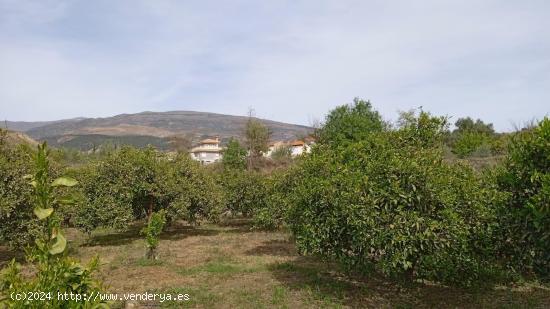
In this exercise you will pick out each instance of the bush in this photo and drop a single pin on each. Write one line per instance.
(244, 191)
(469, 142)
(152, 231)
(131, 184)
(353, 122)
(499, 144)
(119, 189)
(273, 213)
(526, 217)
(53, 272)
(18, 225)
(192, 192)
(234, 156)
(389, 202)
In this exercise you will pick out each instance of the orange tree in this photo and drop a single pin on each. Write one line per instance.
(387, 201)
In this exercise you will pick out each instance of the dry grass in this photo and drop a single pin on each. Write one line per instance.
(230, 266)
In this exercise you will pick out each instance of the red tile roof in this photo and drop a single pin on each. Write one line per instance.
(210, 141)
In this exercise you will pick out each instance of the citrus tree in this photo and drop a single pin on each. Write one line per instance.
(53, 272)
(18, 224)
(526, 217)
(131, 184)
(388, 202)
(350, 122)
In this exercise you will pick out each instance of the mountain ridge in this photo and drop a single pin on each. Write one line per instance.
(147, 125)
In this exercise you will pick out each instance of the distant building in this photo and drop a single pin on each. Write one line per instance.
(297, 147)
(208, 151)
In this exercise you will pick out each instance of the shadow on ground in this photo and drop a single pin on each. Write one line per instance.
(6, 255)
(326, 281)
(237, 225)
(176, 231)
(179, 231)
(275, 248)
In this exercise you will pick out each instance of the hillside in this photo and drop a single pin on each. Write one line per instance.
(144, 128)
(17, 138)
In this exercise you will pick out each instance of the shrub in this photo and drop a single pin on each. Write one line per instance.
(152, 231)
(353, 122)
(273, 213)
(54, 271)
(469, 142)
(499, 144)
(119, 189)
(18, 224)
(234, 156)
(390, 202)
(192, 192)
(131, 184)
(244, 191)
(526, 217)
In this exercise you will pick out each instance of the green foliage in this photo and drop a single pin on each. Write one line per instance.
(18, 223)
(244, 191)
(54, 271)
(474, 138)
(469, 125)
(234, 156)
(191, 191)
(526, 217)
(152, 231)
(107, 143)
(257, 137)
(273, 213)
(390, 202)
(130, 184)
(468, 142)
(120, 189)
(499, 144)
(350, 123)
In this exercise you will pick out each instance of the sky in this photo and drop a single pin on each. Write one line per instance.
(291, 61)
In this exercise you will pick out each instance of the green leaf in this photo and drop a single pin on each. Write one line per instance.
(59, 245)
(64, 181)
(42, 213)
(67, 201)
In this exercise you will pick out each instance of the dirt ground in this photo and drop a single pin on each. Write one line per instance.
(231, 266)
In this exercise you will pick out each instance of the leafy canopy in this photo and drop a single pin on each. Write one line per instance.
(389, 202)
(257, 137)
(350, 123)
(54, 271)
(526, 217)
(234, 156)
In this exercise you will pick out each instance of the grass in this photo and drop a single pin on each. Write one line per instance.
(232, 266)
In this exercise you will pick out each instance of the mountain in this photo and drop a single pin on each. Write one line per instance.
(155, 128)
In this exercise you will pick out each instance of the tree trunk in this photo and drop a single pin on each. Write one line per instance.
(150, 208)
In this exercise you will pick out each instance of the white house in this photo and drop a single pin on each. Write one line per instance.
(296, 147)
(208, 151)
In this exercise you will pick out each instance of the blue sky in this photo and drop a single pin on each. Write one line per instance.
(291, 61)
